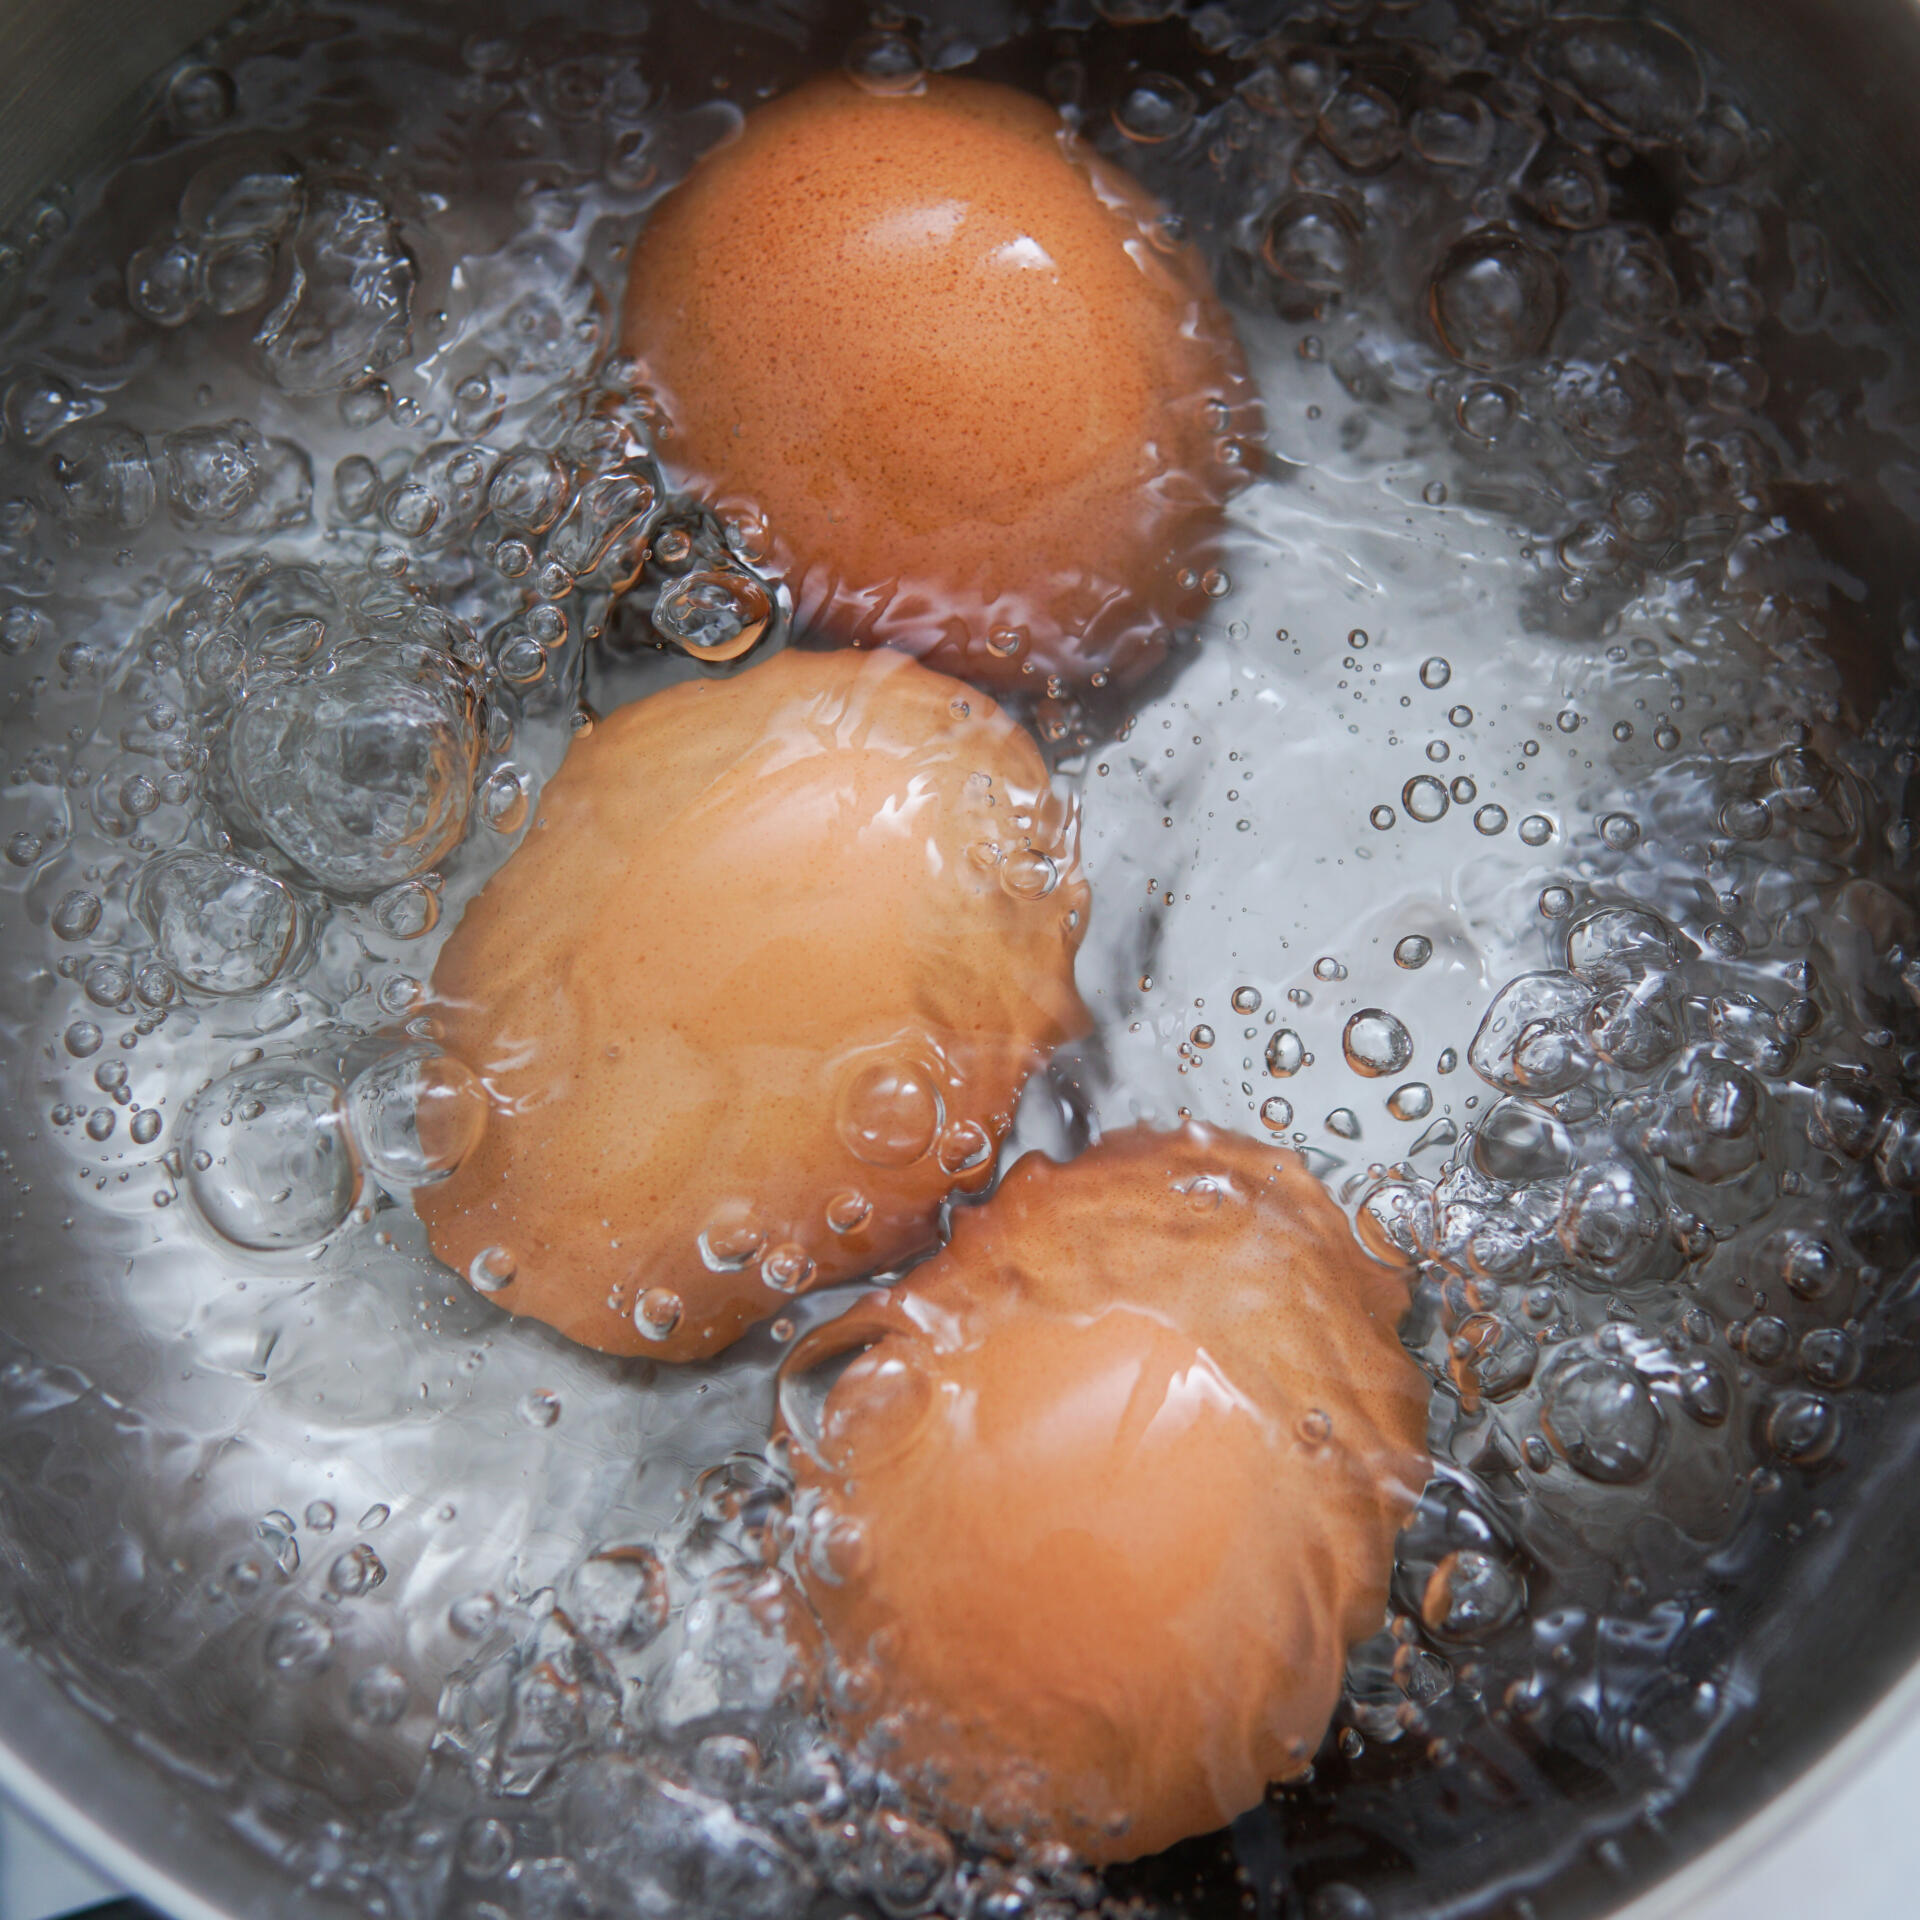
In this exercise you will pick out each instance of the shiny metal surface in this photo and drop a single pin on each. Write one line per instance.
(1837, 79)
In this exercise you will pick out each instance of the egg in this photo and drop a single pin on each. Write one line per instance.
(1108, 1491)
(949, 363)
(757, 991)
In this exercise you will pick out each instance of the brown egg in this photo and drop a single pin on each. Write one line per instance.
(986, 411)
(1114, 1486)
(759, 988)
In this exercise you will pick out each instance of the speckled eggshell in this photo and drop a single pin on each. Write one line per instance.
(758, 990)
(985, 410)
(1096, 1515)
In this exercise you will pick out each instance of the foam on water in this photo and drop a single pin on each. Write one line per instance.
(1524, 838)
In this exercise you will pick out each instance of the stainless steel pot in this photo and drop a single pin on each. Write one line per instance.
(1837, 78)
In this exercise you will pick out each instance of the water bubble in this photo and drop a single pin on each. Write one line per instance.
(100, 1123)
(76, 916)
(1634, 1027)
(887, 64)
(1566, 188)
(1486, 410)
(1028, 874)
(1613, 1225)
(1495, 300)
(1328, 968)
(1276, 1114)
(848, 1212)
(1802, 1427)
(1620, 831)
(348, 311)
(1536, 830)
(298, 1644)
(1455, 129)
(1360, 126)
(269, 1162)
(416, 1116)
(1344, 1123)
(620, 1597)
(200, 99)
(716, 614)
(472, 1617)
(1383, 818)
(1603, 1420)
(1286, 1054)
(1636, 77)
(1612, 944)
(1462, 788)
(1470, 1596)
(1414, 1101)
(1491, 819)
(1520, 1143)
(355, 1572)
(1155, 108)
(145, 1127)
(658, 1313)
(107, 981)
(890, 1112)
(786, 1268)
(221, 926)
(1311, 242)
(490, 1269)
(362, 773)
(379, 1697)
(1435, 673)
(1424, 798)
(409, 911)
(83, 1039)
(163, 282)
(1246, 999)
(104, 480)
(212, 473)
(1412, 951)
(1376, 1044)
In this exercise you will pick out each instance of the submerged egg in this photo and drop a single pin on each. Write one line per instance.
(759, 988)
(1112, 1488)
(985, 408)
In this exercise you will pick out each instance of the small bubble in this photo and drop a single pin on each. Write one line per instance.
(658, 1313)
(1155, 108)
(1246, 999)
(1276, 1114)
(541, 1408)
(76, 916)
(1414, 1101)
(786, 1269)
(1463, 790)
(1376, 1043)
(83, 1039)
(1438, 750)
(1425, 798)
(1556, 902)
(490, 1269)
(1491, 819)
(1413, 952)
(886, 64)
(1536, 830)
(1460, 716)
(1435, 673)
(1620, 831)
(1286, 1054)
(1382, 818)
(1328, 968)
(1666, 736)
(1202, 1037)
(357, 1571)
(1344, 1123)
(848, 1212)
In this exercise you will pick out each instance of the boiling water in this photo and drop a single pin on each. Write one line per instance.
(1521, 839)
